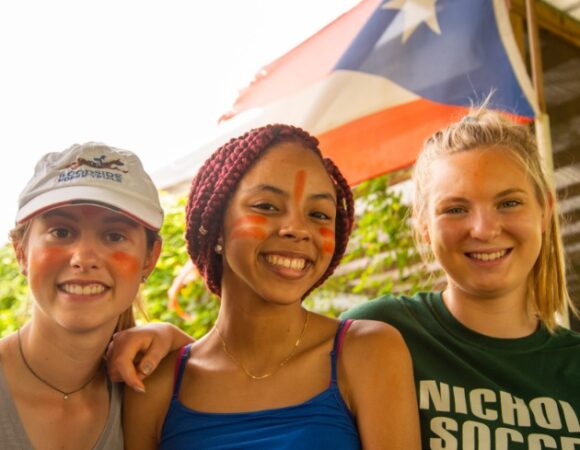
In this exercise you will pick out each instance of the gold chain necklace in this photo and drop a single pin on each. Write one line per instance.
(38, 377)
(282, 363)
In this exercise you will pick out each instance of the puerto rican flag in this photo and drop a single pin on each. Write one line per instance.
(376, 82)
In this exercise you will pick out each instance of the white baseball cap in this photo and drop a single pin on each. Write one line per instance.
(92, 173)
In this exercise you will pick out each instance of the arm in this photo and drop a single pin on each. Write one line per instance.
(378, 382)
(144, 413)
(148, 345)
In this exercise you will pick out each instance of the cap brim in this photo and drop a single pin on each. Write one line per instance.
(89, 195)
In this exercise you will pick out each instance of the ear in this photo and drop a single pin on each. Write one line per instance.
(151, 258)
(20, 257)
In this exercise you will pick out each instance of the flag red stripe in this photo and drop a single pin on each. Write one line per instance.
(387, 140)
(307, 63)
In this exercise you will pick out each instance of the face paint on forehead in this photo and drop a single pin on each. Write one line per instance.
(299, 183)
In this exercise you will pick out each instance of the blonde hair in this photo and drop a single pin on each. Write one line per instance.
(546, 292)
(19, 237)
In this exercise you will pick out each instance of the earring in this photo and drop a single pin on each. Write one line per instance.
(143, 278)
(219, 246)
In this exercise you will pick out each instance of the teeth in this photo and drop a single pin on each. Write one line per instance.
(289, 263)
(90, 289)
(488, 256)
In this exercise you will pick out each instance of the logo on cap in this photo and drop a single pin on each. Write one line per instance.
(97, 163)
(99, 168)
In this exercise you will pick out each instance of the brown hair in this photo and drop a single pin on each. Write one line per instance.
(547, 292)
(217, 180)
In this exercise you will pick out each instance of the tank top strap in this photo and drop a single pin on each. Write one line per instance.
(180, 368)
(343, 326)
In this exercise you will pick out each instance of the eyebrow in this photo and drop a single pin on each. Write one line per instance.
(501, 194)
(111, 218)
(275, 190)
(510, 191)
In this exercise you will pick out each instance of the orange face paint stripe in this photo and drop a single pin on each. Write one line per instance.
(329, 243)
(249, 232)
(299, 183)
(328, 247)
(250, 218)
(126, 263)
(326, 232)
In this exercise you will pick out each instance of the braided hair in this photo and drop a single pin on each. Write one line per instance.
(218, 179)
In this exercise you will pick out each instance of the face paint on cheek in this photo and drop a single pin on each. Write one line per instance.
(126, 264)
(299, 183)
(42, 260)
(250, 219)
(245, 227)
(249, 232)
(329, 239)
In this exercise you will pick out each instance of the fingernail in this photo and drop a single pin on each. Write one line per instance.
(139, 389)
(147, 368)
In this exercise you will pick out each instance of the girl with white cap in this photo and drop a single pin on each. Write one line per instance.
(86, 237)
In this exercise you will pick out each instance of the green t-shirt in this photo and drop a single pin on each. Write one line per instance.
(482, 393)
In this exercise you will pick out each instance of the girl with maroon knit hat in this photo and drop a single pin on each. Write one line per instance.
(268, 220)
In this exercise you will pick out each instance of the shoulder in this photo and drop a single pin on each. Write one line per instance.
(147, 410)
(366, 338)
(5, 344)
(566, 339)
(388, 308)
(373, 360)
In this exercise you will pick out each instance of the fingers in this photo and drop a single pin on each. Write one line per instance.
(124, 349)
(151, 358)
(135, 353)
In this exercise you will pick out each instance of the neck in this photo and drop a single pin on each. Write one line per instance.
(503, 316)
(64, 360)
(260, 339)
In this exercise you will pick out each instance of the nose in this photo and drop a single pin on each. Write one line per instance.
(485, 225)
(85, 255)
(295, 228)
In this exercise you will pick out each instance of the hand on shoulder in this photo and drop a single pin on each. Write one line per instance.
(144, 412)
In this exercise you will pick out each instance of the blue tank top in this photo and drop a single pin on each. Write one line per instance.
(323, 422)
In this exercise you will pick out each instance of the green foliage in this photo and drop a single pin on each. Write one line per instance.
(193, 299)
(381, 257)
(13, 292)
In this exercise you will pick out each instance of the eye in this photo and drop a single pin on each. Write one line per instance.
(115, 236)
(265, 206)
(454, 210)
(60, 233)
(510, 203)
(319, 215)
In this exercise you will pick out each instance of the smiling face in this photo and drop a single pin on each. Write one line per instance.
(84, 265)
(484, 222)
(278, 232)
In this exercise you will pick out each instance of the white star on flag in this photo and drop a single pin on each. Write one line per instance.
(416, 12)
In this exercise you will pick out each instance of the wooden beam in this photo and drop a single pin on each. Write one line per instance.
(551, 19)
